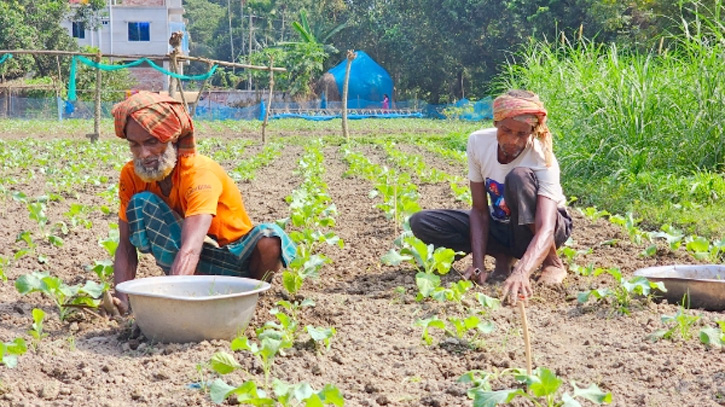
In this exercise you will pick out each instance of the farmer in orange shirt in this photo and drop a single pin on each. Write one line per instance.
(181, 206)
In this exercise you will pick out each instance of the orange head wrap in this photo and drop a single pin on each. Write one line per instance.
(161, 116)
(525, 106)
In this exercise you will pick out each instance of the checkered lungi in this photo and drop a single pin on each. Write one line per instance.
(155, 228)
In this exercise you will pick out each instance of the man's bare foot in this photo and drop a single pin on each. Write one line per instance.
(552, 275)
(553, 271)
(504, 265)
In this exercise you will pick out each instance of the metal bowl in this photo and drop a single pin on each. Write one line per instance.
(192, 308)
(695, 286)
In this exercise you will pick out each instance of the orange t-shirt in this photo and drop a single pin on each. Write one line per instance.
(200, 186)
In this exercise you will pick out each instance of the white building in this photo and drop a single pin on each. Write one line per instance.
(136, 27)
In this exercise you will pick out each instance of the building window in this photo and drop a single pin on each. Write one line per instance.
(138, 31)
(79, 30)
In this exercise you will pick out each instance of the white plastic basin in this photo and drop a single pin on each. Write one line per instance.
(701, 286)
(192, 308)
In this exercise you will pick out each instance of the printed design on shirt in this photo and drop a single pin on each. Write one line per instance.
(499, 210)
(198, 188)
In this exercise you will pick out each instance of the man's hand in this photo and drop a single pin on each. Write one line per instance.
(112, 306)
(516, 287)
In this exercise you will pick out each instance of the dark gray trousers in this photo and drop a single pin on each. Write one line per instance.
(451, 227)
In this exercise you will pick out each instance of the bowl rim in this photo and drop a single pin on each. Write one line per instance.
(650, 272)
(130, 287)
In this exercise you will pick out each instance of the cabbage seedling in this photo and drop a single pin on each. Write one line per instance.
(714, 337)
(459, 327)
(624, 292)
(37, 332)
(425, 258)
(323, 335)
(4, 262)
(542, 388)
(9, 351)
(63, 295)
(683, 324)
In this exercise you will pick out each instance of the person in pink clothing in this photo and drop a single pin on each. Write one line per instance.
(386, 102)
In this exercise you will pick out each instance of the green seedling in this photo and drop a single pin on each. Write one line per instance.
(630, 225)
(285, 329)
(583, 271)
(305, 265)
(311, 237)
(427, 259)
(9, 351)
(454, 293)
(457, 327)
(398, 295)
(592, 213)
(287, 395)
(77, 215)
(672, 236)
(541, 389)
(4, 263)
(37, 214)
(294, 308)
(610, 242)
(71, 342)
(64, 296)
(681, 323)
(203, 382)
(37, 333)
(487, 304)
(270, 345)
(649, 251)
(297, 394)
(624, 293)
(104, 268)
(702, 249)
(712, 336)
(321, 335)
(27, 237)
(111, 242)
(461, 192)
(247, 393)
(568, 253)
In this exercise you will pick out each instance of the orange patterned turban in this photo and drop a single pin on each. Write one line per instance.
(525, 106)
(163, 117)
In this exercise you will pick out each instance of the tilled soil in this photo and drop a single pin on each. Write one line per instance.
(377, 357)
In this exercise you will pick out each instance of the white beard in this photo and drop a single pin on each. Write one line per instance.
(167, 162)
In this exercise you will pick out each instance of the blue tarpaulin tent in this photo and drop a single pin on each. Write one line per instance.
(368, 81)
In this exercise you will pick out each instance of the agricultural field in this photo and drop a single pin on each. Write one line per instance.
(360, 321)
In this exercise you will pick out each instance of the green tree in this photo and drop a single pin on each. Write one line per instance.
(33, 25)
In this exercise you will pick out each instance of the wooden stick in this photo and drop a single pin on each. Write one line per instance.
(527, 341)
(350, 57)
(269, 100)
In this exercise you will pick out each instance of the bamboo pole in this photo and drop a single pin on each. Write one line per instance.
(350, 57)
(198, 95)
(269, 100)
(138, 56)
(172, 80)
(176, 81)
(97, 114)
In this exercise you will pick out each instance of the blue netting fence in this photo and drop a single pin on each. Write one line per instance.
(18, 107)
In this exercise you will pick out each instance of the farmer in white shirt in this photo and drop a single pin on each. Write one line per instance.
(525, 218)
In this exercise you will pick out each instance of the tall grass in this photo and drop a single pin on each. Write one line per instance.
(634, 131)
